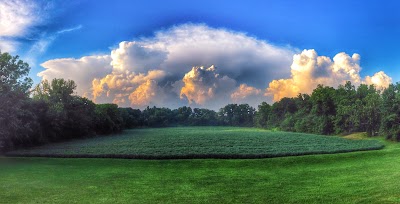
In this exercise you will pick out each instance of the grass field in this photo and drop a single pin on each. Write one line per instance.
(355, 177)
(201, 142)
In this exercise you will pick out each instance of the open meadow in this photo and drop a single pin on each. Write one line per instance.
(356, 177)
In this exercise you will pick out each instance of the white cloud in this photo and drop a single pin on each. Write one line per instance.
(41, 45)
(16, 17)
(66, 30)
(82, 70)
(239, 58)
(308, 70)
(168, 70)
(7, 45)
(379, 79)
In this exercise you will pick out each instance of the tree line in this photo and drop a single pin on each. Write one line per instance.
(344, 110)
(50, 112)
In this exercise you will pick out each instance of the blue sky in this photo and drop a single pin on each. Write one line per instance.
(74, 29)
(368, 28)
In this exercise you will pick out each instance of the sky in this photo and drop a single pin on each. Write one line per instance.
(203, 53)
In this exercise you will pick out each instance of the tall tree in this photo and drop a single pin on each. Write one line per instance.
(14, 91)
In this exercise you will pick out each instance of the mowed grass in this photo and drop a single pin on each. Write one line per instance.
(200, 142)
(356, 177)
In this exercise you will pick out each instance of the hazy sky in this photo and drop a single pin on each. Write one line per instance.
(139, 53)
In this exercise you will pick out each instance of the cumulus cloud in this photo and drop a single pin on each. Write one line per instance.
(16, 17)
(127, 88)
(248, 94)
(205, 86)
(170, 69)
(146, 94)
(379, 79)
(175, 51)
(82, 70)
(136, 57)
(308, 70)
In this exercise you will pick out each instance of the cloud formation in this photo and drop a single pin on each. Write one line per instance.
(308, 70)
(129, 89)
(247, 94)
(82, 71)
(379, 79)
(175, 67)
(178, 53)
(16, 17)
(205, 85)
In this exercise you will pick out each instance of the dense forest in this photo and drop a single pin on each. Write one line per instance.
(51, 112)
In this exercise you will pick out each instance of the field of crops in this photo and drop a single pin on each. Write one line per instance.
(200, 142)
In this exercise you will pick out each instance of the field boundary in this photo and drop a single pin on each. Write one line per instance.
(187, 156)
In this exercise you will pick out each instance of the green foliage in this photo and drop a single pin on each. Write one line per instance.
(14, 90)
(203, 117)
(201, 142)
(261, 118)
(131, 117)
(237, 115)
(14, 75)
(108, 119)
(335, 111)
(391, 112)
(158, 117)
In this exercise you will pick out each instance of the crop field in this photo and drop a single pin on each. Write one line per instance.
(201, 142)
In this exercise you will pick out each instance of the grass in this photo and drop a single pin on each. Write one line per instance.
(201, 142)
(357, 177)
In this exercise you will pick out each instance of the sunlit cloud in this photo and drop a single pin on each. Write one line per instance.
(82, 71)
(173, 68)
(308, 70)
(248, 94)
(205, 85)
(379, 79)
(174, 52)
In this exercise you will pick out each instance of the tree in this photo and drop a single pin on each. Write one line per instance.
(108, 119)
(323, 109)
(14, 91)
(390, 125)
(132, 117)
(67, 116)
(203, 117)
(372, 113)
(183, 115)
(237, 115)
(262, 115)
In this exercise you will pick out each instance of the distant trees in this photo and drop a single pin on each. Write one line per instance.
(237, 115)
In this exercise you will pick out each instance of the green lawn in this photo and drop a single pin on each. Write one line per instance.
(201, 142)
